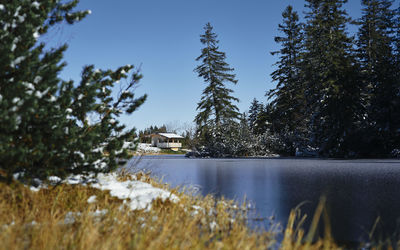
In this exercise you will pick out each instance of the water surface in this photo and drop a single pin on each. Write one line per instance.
(358, 191)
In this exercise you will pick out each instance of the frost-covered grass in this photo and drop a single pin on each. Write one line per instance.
(78, 216)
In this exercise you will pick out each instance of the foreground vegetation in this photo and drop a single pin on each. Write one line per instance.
(60, 217)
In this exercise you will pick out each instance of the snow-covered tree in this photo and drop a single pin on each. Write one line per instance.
(255, 110)
(49, 126)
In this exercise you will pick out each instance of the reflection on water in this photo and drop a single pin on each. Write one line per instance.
(358, 192)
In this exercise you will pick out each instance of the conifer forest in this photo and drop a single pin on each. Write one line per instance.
(337, 94)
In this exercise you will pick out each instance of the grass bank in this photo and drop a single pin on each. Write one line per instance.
(67, 217)
(172, 152)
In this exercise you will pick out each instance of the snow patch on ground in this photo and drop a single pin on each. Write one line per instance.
(136, 194)
(139, 195)
(71, 217)
(91, 199)
(147, 148)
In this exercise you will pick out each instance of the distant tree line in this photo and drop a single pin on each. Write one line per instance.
(337, 95)
(144, 135)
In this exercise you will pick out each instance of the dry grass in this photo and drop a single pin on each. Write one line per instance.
(61, 218)
(296, 238)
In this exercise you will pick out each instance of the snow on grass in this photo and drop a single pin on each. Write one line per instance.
(91, 199)
(71, 217)
(34, 189)
(138, 195)
(147, 148)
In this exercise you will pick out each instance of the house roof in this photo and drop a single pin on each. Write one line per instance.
(171, 135)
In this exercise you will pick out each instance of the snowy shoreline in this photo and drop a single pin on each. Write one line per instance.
(137, 194)
(147, 149)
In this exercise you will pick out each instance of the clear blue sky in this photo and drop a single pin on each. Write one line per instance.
(163, 37)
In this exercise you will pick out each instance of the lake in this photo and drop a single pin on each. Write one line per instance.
(357, 191)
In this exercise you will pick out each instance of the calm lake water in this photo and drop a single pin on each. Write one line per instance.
(358, 191)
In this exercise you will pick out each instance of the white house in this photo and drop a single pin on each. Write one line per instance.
(166, 140)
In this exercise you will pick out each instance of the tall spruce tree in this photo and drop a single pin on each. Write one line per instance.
(288, 100)
(263, 123)
(333, 90)
(49, 126)
(217, 103)
(377, 57)
(256, 108)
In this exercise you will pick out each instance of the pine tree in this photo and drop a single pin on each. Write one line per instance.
(49, 126)
(263, 124)
(256, 108)
(288, 100)
(331, 76)
(375, 40)
(217, 103)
